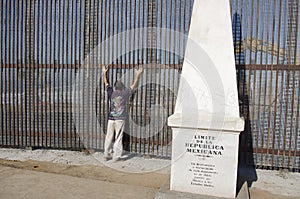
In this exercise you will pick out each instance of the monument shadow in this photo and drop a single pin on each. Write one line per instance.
(246, 167)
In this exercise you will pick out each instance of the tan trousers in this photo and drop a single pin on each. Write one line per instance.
(114, 127)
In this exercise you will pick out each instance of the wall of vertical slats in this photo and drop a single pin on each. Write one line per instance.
(45, 49)
(46, 45)
(266, 40)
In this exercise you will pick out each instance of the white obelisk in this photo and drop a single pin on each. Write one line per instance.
(206, 122)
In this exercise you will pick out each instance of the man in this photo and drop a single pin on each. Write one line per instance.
(118, 99)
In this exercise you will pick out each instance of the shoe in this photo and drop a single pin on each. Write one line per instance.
(118, 160)
(105, 158)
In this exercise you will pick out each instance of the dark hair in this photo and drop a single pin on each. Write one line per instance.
(119, 85)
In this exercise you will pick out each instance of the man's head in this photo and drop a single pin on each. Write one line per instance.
(119, 85)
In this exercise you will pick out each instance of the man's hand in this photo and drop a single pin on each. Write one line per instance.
(139, 71)
(104, 69)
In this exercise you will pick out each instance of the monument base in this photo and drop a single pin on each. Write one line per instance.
(165, 192)
(205, 155)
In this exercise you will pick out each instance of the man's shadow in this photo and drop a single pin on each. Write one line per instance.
(127, 150)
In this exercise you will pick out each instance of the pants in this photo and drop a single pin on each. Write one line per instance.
(117, 127)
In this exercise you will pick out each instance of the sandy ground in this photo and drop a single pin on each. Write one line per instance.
(27, 184)
(69, 174)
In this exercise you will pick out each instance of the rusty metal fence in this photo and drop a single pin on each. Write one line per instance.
(47, 65)
(266, 40)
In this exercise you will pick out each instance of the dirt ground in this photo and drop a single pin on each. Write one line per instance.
(47, 179)
(33, 179)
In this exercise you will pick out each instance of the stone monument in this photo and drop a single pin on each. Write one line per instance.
(206, 122)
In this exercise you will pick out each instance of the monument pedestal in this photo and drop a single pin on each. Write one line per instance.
(205, 159)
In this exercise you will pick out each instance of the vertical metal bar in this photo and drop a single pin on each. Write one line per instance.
(36, 62)
(170, 62)
(147, 144)
(100, 94)
(267, 84)
(95, 38)
(35, 71)
(254, 81)
(111, 33)
(9, 82)
(24, 76)
(41, 75)
(164, 54)
(13, 77)
(55, 141)
(130, 10)
(60, 75)
(54, 62)
(17, 47)
(78, 86)
(149, 18)
(142, 141)
(98, 41)
(130, 126)
(28, 30)
(95, 66)
(262, 91)
(10, 78)
(297, 128)
(4, 72)
(65, 79)
(282, 93)
(276, 85)
(138, 14)
(285, 136)
(32, 73)
(52, 72)
(137, 94)
(271, 91)
(159, 68)
(156, 84)
(6, 28)
(39, 72)
(90, 84)
(70, 73)
(2, 62)
(296, 61)
(76, 32)
(62, 72)
(87, 59)
(72, 76)
(43, 108)
(246, 84)
(73, 102)
(134, 115)
(103, 62)
(293, 63)
(64, 42)
(177, 46)
(15, 71)
(22, 34)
